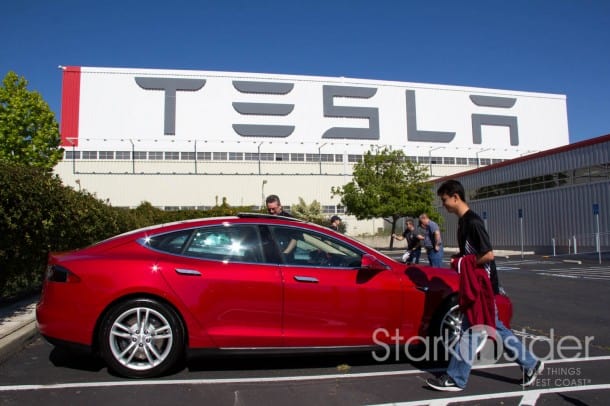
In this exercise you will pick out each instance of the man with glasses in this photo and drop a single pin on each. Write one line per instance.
(274, 206)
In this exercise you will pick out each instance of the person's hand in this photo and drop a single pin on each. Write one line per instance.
(454, 261)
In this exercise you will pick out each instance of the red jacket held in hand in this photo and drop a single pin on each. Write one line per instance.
(476, 296)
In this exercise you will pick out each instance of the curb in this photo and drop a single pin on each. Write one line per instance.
(16, 339)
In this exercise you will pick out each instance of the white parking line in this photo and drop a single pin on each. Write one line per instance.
(210, 381)
(528, 397)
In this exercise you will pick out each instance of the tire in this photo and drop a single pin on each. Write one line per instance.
(447, 325)
(141, 338)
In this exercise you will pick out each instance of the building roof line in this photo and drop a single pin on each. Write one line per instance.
(537, 155)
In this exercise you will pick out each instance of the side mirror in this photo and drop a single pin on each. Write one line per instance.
(370, 263)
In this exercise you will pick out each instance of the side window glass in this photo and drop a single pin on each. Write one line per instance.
(239, 243)
(308, 248)
(171, 242)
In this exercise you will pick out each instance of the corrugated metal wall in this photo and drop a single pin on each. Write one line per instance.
(557, 213)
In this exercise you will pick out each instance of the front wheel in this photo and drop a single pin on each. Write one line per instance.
(141, 338)
(447, 326)
(448, 323)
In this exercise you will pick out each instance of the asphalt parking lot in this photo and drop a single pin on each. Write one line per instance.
(557, 304)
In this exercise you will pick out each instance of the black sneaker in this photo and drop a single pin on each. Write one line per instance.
(444, 383)
(529, 376)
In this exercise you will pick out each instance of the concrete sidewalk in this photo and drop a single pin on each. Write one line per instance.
(17, 325)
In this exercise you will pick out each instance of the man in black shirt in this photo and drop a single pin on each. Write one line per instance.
(274, 206)
(473, 239)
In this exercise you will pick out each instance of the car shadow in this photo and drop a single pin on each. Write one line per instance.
(301, 363)
(79, 360)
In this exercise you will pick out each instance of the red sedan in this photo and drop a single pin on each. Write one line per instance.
(250, 282)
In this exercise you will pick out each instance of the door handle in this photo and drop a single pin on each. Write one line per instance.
(306, 279)
(188, 272)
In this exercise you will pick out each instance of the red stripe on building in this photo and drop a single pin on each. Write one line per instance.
(70, 104)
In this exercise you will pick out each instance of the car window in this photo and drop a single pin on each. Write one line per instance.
(226, 243)
(171, 242)
(239, 243)
(304, 247)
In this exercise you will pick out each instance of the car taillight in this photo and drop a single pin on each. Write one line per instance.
(56, 273)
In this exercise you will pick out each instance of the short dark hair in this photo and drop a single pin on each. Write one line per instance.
(273, 199)
(452, 187)
(334, 218)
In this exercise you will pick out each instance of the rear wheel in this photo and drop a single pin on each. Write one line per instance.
(141, 338)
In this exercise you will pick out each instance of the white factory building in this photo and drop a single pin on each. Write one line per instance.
(189, 139)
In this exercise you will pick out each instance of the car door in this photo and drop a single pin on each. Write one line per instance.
(328, 299)
(221, 275)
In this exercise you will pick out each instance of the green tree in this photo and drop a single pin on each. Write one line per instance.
(387, 184)
(311, 212)
(29, 133)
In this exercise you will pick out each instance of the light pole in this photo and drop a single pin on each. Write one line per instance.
(259, 160)
(320, 156)
(77, 181)
(133, 157)
(263, 192)
(477, 155)
(430, 157)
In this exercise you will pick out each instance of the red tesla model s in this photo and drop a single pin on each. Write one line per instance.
(145, 299)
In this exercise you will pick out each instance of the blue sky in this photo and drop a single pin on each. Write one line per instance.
(549, 46)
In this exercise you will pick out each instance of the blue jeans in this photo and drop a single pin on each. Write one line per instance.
(414, 257)
(435, 257)
(460, 366)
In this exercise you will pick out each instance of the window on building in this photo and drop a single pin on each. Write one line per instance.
(204, 156)
(282, 157)
(267, 156)
(297, 157)
(354, 158)
(187, 156)
(155, 155)
(461, 161)
(449, 160)
(72, 154)
(139, 155)
(312, 157)
(220, 156)
(251, 156)
(89, 154)
(171, 155)
(106, 154)
(236, 156)
(123, 155)
(338, 157)
(328, 209)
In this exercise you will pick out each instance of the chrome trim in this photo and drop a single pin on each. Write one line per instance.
(188, 272)
(306, 279)
(424, 289)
